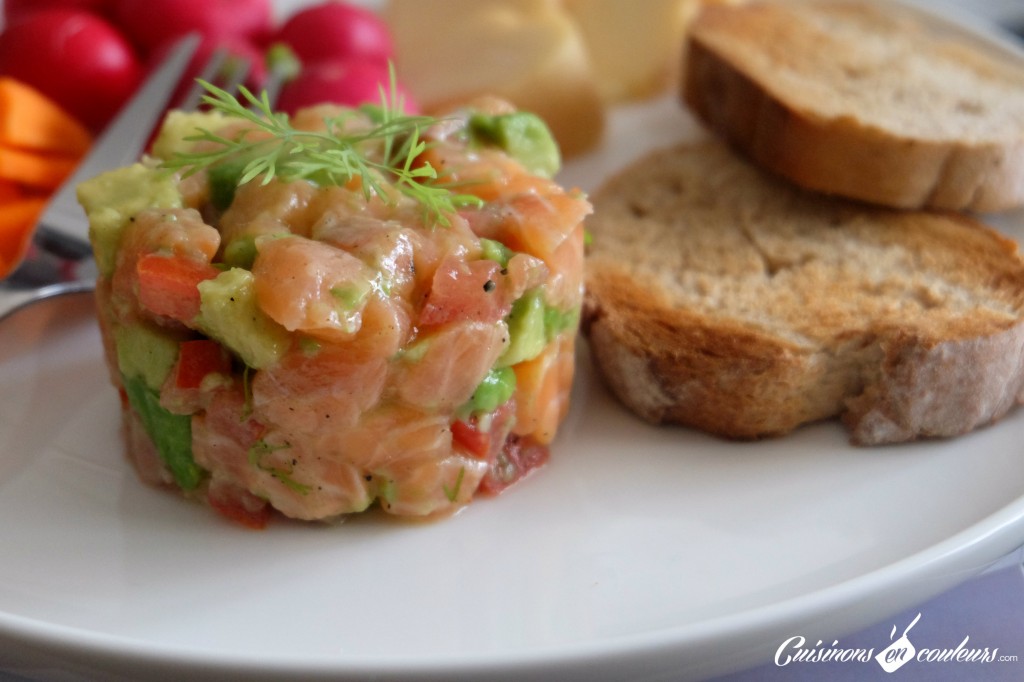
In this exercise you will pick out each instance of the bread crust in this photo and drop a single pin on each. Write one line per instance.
(937, 367)
(911, 396)
(840, 151)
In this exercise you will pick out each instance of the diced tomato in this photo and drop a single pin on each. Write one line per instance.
(168, 285)
(239, 505)
(510, 456)
(518, 457)
(198, 358)
(473, 291)
(474, 441)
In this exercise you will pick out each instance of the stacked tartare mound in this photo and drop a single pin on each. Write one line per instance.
(315, 346)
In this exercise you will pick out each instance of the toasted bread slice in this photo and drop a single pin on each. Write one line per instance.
(866, 100)
(724, 298)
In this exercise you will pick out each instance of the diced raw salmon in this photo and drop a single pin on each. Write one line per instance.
(309, 286)
(387, 320)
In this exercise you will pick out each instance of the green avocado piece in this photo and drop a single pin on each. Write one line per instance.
(228, 312)
(178, 126)
(524, 136)
(557, 321)
(526, 329)
(241, 252)
(224, 178)
(145, 353)
(495, 251)
(170, 433)
(173, 139)
(493, 392)
(112, 199)
(145, 358)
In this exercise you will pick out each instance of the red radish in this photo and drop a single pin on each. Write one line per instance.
(151, 23)
(337, 31)
(15, 10)
(349, 83)
(76, 58)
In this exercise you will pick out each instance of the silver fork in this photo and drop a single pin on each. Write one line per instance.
(60, 260)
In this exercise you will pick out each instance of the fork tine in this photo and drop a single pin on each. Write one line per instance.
(61, 227)
(233, 78)
(237, 74)
(209, 73)
(275, 81)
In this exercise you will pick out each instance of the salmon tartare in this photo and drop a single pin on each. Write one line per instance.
(319, 342)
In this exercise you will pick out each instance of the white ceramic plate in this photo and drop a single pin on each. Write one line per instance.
(638, 553)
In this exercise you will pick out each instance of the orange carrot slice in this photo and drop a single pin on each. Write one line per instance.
(39, 170)
(30, 120)
(9, 191)
(168, 285)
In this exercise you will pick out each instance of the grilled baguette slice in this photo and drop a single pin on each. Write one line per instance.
(724, 298)
(862, 99)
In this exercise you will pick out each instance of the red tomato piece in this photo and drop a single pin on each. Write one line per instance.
(486, 445)
(196, 359)
(238, 505)
(517, 458)
(463, 290)
(471, 439)
(75, 58)
(168, 285)
(337, 31)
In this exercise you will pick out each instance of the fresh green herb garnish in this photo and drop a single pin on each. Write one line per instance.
(385, 153)
(260, 449)
(453, 493)
(247, 391)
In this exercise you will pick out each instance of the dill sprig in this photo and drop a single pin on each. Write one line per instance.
(384, 154)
